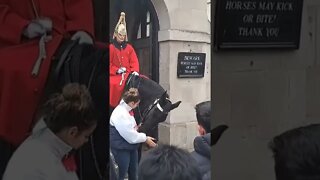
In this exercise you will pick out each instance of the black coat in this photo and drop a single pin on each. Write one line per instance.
(202, 155)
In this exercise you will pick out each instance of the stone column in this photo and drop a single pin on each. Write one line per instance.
(185, 28)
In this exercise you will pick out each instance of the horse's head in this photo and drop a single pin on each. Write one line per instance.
(166, 104)
(155, 103)
(157, 112)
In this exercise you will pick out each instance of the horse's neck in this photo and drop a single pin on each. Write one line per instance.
(149, 91)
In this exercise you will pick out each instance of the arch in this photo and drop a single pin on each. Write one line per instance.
(162, 13)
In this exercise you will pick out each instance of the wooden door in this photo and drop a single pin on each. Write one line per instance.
(142, 27)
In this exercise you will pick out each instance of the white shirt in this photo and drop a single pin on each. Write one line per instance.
(126, 124)
(39, 157)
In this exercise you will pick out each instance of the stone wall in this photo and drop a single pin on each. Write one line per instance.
(184, 27)
(260, 94)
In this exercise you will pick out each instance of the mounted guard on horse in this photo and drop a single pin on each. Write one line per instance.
(123, 61)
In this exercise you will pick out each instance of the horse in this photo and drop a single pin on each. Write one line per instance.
(217, 132)
(88, 65)
(154, 105)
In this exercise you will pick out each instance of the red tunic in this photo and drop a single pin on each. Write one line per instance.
(19, 92)
(119, 57)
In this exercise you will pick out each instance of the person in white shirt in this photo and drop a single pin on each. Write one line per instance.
(68, 120)
(124, 137)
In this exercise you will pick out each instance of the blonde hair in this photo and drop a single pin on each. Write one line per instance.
(131, 95)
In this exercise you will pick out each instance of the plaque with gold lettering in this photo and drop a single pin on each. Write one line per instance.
(257, 24)
(191, 65)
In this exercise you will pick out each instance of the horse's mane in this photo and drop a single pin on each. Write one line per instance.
(149, 90)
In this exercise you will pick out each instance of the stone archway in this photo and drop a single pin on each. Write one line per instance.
(162, 12)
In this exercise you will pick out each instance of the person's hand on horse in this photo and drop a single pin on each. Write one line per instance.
(150, 141)
(135, 73)
(82, 37)
(121, 70)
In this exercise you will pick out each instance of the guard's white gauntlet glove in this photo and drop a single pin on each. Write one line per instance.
(82, 37)
(34, 30)
(121, 70)
(135, 73)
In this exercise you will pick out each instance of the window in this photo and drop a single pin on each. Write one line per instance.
(145, 26)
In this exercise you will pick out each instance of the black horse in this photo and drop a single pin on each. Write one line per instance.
(87, 65)
(154, 105)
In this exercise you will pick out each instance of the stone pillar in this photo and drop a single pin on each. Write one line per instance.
(184, 27)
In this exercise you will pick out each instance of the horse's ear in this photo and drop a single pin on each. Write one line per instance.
(163, 96)
(175, 105)
(216, 133)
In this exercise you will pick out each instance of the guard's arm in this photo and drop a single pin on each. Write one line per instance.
(112, 67)
(79, 15)
(11, 24)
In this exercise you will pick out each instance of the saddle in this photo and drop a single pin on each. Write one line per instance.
(132, 82)
(117, 88)
(77, 63)
(87, 65)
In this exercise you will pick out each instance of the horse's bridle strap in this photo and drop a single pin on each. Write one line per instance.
(63, 58)
(156, 103)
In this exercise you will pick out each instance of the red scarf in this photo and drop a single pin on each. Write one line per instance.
(69, 162)
(131, 113)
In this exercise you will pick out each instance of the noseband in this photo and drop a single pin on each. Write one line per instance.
(147, 111)
(135, 82)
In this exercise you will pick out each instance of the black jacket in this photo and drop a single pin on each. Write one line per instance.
(202, 155)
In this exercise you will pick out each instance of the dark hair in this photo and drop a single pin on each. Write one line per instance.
(168, 162)
(203, 114)
(131, 95)
(72, 107)
(297, 153)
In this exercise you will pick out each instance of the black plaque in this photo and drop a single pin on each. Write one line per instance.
(257, 24)
(191, 65)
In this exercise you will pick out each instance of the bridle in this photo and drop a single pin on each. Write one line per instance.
(142, 116)
(156, 103)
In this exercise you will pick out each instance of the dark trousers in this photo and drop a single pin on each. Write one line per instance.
(127, 161)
